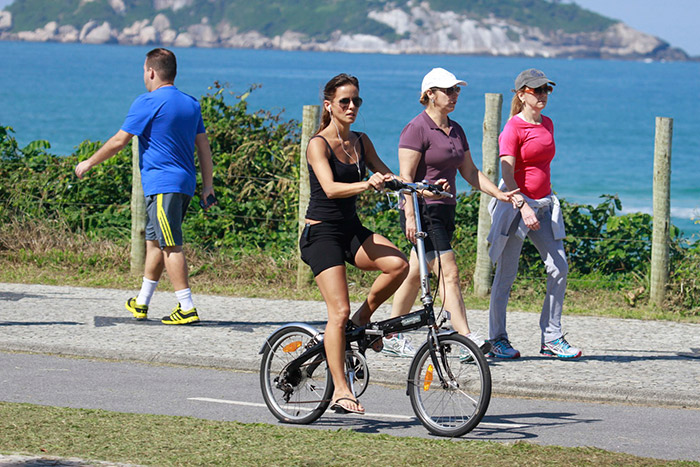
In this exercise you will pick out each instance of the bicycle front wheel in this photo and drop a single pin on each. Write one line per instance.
(299, 396)
(457, 405)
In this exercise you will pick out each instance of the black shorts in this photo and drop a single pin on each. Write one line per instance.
(328, 244)
(438, 221)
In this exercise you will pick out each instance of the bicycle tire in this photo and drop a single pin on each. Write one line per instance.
(457, 409)
(306, 395)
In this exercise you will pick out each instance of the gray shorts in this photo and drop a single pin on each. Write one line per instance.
(165, 213)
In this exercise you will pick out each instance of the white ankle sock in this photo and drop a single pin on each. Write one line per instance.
(184, 296)
(148, 287)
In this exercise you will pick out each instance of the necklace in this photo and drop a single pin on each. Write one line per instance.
(355, 160)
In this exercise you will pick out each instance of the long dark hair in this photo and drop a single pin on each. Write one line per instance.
(329, 93)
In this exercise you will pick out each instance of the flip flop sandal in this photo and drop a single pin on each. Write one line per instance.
(338, 408)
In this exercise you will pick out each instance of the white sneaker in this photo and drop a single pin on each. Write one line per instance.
(483, 344)
(398, 345)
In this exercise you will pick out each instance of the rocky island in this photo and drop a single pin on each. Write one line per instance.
(471, 27)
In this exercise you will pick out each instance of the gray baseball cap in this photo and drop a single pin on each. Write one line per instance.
(532, 78)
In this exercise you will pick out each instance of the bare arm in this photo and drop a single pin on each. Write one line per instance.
(206, 165)
(113, 145)
(372, 159)
(408, 163)
(481, 182)
(508, 173)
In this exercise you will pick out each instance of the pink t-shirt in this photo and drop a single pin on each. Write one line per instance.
(533, 148)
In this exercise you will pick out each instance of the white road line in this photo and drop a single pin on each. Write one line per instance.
(224, 401)
(369, 414)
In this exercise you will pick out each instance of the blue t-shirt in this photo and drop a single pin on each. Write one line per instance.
(166, 121)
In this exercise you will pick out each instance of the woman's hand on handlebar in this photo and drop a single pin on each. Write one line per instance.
(377, 180)
(444, 186)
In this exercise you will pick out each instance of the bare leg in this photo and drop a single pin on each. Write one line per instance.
(406, 295)
(451, 292)
(176, 265)
(379, 254)
(155, 262)
(333, 286)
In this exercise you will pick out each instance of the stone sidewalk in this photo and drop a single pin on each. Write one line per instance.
(629, 361)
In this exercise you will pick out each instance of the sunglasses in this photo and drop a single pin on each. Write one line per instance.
(546, 89)
(450, 91)
(345, 101)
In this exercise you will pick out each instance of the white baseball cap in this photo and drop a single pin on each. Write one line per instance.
(439, 78)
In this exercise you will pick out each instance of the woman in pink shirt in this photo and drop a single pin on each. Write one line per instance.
(527, 149)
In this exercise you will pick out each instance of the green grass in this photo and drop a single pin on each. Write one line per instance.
(166, 440)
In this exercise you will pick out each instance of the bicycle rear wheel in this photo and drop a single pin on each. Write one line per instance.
(456, 407)
(300, 396)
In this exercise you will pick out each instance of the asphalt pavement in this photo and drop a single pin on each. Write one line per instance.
(628, 361)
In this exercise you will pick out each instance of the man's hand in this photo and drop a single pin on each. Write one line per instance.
(82, 168)
(113, 145)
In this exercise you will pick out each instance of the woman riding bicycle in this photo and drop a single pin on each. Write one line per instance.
(333, 235)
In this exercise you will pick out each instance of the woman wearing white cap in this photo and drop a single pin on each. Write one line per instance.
(527, 149)
(433, 147)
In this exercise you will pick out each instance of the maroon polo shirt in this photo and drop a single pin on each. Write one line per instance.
(442, 154)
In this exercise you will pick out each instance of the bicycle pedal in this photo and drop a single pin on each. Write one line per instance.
(377, 344)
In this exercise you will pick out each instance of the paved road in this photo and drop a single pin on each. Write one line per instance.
(631, 361)
(231, 395)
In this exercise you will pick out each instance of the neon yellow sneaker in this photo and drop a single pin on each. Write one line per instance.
(139, 311)
(178, 316)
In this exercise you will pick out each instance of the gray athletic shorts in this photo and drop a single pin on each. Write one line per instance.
(165, 213)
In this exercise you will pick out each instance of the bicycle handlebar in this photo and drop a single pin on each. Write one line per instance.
(398, 185)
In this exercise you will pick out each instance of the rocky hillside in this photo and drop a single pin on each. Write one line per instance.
(547, 28)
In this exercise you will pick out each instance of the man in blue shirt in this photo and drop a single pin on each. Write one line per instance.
(169, 126)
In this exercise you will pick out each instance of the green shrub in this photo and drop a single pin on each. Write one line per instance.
(256, 168)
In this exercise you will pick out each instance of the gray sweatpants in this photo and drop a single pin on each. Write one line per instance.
(554, 257)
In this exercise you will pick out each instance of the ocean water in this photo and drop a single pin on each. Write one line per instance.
(603, 111)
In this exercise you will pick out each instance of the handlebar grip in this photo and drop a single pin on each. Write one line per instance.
(394, 185)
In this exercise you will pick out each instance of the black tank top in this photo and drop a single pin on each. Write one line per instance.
(322, 208)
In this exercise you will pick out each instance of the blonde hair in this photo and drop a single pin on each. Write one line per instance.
(516, 105)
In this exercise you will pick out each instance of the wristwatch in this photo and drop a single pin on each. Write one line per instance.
(519, 204)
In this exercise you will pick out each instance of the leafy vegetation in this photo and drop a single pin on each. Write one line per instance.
(544, 14)
(250, 237)
(314, 18)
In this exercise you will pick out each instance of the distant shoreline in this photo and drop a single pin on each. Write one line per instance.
(379, 52)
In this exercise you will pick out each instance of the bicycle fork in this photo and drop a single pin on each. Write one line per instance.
(433, 345)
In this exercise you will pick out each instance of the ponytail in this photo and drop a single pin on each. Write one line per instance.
(516, 105)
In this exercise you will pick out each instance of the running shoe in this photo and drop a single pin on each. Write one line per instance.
(139, 311)
(501, 348)
(560, 348)
(178, 316)
(398, 345)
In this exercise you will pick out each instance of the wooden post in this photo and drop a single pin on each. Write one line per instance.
(310, 122)
(489, 147)
(138, 213)
(662, 210)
